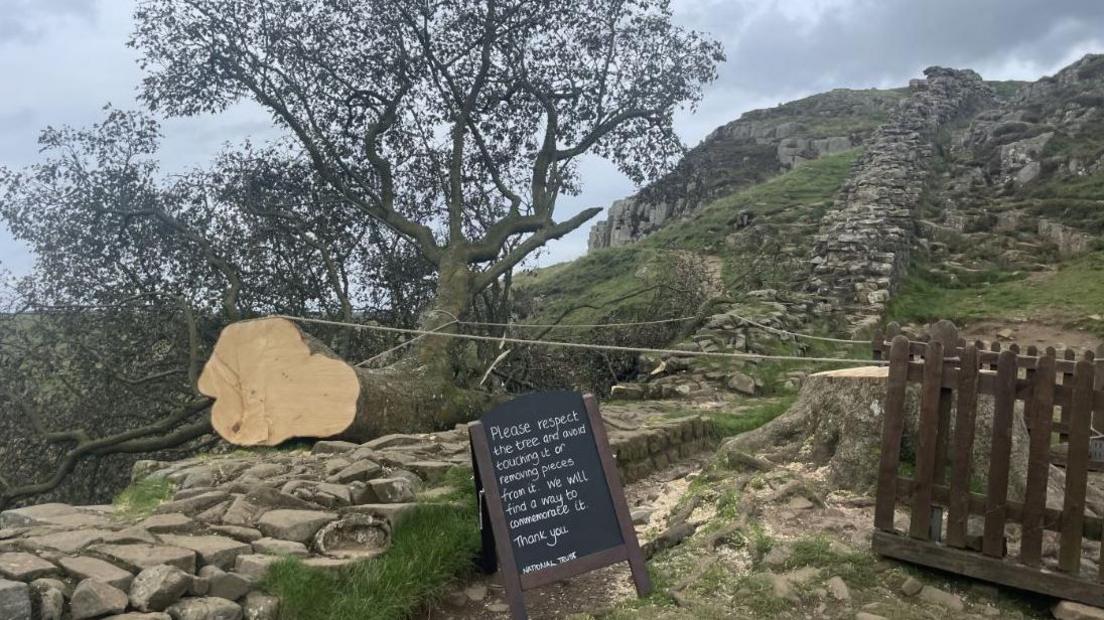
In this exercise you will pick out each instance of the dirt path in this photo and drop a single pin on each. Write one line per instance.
(482, 598)
(1026, 333)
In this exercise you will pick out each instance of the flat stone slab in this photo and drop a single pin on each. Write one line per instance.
(275, 546)
(24, 566)
(244, 534)
(295, 525)
(212, 550)
(130, 535)
(430, 471)
(83, 567)
(168, 523)
(139, 557)
(207, 608)
(193, 505)
(66, 542)
(255, 565)
(393, 513)
(33, 515)
(362, 471)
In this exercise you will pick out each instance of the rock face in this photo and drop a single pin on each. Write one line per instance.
(862, 251)
(760, 144)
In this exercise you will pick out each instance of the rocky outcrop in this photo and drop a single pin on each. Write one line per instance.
(863, 249)
(1068, 240)
(762, 143)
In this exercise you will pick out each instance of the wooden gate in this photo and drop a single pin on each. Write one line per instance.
(1007, 545)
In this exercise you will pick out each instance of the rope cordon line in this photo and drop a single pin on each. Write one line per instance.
(582, 345)
(657, 322)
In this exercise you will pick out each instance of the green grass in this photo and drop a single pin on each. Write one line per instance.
(431, 548)
(597, 280)
(856, 568)
(806, 186)
(140, 498)
(762, 411)
(603, 276)
(1071, 295)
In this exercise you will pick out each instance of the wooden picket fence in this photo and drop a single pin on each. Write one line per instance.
(952, 374)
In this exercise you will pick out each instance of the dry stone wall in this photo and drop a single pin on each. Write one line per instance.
(863, 249)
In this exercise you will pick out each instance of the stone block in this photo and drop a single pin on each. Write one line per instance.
(295, 525)
(15, 600)
(24, 566)
(81, 568)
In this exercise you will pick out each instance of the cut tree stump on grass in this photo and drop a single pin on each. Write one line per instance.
(835, 422)
(272, 381)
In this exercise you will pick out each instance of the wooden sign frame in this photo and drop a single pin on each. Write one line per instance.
(516, 583)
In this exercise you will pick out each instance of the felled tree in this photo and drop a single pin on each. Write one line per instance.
(135, 274)
(456, 123)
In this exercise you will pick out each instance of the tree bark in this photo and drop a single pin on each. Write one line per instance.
(272, 382)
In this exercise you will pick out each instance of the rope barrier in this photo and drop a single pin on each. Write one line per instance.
(400, 345)
(795, 334)
(583, 345)
(574, 326)
(657, 322)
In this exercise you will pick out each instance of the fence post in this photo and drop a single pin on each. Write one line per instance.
(893, 426)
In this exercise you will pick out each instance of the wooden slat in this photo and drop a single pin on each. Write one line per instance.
(1073, 511)
(1052, 517)
(1038, 463)
(987, 385)
(989, 569)
(1067, 378)
(927, 429)
(946, 333)
(1000, 451)
(959, 510)
(893, 427)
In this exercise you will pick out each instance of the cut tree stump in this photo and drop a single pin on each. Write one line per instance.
(272, 381)
(835, 422)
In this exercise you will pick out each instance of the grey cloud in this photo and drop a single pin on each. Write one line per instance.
(28, 20)
(772, 48)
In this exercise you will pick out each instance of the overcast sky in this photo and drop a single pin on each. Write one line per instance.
(62, 60)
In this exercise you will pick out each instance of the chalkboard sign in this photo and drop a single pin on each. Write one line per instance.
(552, 502)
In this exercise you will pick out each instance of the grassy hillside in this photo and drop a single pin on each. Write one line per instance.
(798, 198)
(1072, 296)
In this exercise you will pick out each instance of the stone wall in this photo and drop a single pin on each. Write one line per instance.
(863, 248)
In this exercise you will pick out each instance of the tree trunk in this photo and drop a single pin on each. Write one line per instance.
(273, 382)
(835, 422)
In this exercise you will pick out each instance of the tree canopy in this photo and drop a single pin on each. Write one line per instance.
(457, 123)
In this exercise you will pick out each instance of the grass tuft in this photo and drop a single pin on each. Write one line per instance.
(763, 411)
(431, 548)
(140, 498)
(856, 568)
